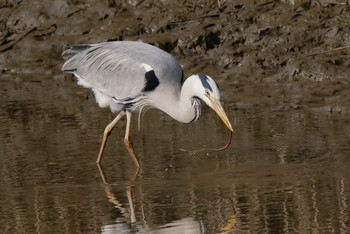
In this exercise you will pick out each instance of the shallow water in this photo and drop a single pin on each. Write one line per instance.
(284, 172)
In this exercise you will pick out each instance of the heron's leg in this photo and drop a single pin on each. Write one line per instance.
(127, 140)
(106, 133)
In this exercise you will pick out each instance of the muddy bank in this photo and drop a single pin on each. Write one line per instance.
(270, 54)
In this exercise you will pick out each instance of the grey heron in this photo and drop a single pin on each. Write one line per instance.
(127, 76)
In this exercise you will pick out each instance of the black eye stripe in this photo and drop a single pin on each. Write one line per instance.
(204, 80)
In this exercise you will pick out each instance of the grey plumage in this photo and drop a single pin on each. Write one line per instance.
(109, 67)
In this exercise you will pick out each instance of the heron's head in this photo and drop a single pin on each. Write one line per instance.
(207, 90)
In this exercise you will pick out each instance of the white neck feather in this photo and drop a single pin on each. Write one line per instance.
(181, 105)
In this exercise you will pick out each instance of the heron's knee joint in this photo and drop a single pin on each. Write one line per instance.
(108, 130)
(127, 142)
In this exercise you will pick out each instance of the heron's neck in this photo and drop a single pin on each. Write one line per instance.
(183, 106)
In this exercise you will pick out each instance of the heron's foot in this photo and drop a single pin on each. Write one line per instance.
(131, 151)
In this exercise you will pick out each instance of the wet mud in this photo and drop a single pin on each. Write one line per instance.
(275, 54)
(283, 69)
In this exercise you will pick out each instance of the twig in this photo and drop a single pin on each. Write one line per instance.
(139, 3)
(17, 39)
(194, 19)
(327, 51)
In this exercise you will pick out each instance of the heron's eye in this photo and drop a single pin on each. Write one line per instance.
(207, 92)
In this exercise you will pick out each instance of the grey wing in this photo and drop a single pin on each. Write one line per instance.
(106, 68)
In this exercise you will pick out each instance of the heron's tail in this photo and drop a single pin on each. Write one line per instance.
(74, 50)
(73, 55)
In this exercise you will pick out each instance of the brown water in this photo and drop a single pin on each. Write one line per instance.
(284, 172)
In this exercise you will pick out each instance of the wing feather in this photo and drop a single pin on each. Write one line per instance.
(117, 69)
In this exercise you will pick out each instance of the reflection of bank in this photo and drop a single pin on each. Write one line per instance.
(184, 225)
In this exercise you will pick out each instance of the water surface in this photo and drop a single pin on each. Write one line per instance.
(284, 172)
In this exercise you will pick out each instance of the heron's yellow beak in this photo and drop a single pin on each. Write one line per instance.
(216, 105)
